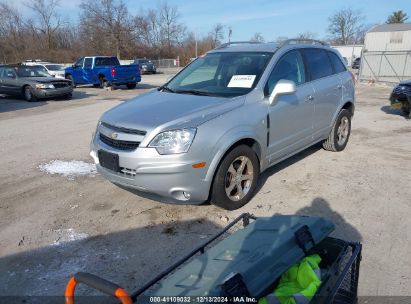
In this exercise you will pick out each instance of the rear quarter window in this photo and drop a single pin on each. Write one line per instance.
(318, 63)
(339, 66)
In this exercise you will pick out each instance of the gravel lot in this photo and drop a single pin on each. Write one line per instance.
(52, 226)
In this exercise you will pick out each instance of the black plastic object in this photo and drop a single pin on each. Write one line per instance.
(260, 252)
(96, 282)
(234, 287)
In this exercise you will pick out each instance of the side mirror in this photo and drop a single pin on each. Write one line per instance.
(283, 87)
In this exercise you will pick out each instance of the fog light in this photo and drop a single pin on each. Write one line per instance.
(186, 195)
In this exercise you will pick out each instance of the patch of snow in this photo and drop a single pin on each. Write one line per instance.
(68, 235)
(69, 169)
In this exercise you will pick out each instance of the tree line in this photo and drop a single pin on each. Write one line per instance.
(107, 27)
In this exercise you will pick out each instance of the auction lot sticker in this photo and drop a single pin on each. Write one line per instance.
(241, 81)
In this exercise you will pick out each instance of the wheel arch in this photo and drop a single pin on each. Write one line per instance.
(246, 140)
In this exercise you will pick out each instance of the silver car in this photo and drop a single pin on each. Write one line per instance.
(211, 130)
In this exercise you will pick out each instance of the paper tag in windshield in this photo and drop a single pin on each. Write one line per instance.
(241, 81)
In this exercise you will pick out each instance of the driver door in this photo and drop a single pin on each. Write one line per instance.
(78, 71)
(291, 116)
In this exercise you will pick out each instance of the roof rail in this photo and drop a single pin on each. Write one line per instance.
(304, 41)
(224, 45)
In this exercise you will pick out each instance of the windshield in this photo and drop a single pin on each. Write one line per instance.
(55, 67)
(99, 61)
(221, 74)
(32, 71)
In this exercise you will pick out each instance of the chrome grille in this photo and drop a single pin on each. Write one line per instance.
(62, 84)
(119, 144)
(123, 130)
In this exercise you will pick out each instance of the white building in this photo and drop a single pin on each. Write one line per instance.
(387, 53)
(350, 52)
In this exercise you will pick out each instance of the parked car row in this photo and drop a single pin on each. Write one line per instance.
(36, 79)
(32, 82)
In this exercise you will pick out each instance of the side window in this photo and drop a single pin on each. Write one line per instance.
(1, 72)
(289, 67)
(9, 72)
(88, 62)
(336, 61)
(79, 62)
(318, 63)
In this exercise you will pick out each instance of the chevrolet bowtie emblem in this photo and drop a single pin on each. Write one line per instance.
(114, 135)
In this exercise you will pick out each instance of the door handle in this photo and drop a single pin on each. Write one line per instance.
(309, 98)
(339, 87)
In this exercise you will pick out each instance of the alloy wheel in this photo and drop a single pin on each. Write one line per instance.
(239, 178)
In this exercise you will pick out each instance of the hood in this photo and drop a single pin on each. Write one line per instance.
(405, 82)
(164, 110)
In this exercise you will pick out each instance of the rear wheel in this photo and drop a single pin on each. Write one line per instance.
(235, 179)
(340, 133)
(29, 94)
(131, 85)
(103, 83)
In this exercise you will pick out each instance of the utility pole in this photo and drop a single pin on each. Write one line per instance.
(230, 32)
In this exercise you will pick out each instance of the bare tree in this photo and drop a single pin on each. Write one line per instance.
(217, 34)
(102, 17)
(258, 37)
(306, 35)
(397, 17)
(172, 31)
(344, 26)
(48, 18)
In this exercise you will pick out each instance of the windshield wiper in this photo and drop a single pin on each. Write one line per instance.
(195, 92)
(166, 88)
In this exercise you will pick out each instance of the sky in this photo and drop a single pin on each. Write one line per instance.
(272, 18)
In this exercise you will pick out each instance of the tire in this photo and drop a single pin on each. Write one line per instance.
(68, 96)
(228, 179)
(340, 133)
(131, 85)
(406, 110)
(69, 77)
(28, 94)
(103, 83)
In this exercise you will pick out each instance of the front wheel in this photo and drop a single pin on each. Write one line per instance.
(406, 109)
(340, 133)
(69, 77)
(29, 94)
(235, 179)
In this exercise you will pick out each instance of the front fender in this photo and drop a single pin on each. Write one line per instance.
(229, 139)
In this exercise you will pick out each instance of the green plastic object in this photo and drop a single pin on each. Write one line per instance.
(252, 258)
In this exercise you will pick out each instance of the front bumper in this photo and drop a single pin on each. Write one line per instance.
(143, 169)
(45, 93)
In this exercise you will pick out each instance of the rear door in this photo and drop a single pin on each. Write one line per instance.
(9, 81)
(291, 117)
(327, 89)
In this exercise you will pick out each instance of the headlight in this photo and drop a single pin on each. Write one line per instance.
(44, 86)
(173, 142)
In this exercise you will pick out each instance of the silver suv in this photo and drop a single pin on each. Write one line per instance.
(211, 130)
